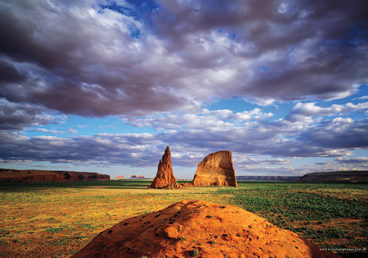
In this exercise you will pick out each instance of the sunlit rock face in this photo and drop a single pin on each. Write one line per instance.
(216, 169)
(165, 177)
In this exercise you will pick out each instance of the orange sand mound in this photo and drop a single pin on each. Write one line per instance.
(202, 229)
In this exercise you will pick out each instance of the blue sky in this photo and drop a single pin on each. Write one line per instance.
(106, 85)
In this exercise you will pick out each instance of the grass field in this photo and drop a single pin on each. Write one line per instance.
(58, 219)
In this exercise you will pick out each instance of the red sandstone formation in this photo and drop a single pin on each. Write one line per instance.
(202, 229)
(120, 177)
(165, 176)
(13, 175)
(216, 169)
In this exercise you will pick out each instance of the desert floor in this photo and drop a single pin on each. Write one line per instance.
(58, 219)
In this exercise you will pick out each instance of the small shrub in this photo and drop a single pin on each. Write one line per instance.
(194, 253)
(4, 254)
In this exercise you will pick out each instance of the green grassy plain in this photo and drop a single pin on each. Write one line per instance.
(58, 219)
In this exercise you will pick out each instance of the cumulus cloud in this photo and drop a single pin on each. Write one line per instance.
(158, 63)
(302, 111)
(250, 162)
(70, 130)
(257, 144)
(15, 116)
(280, 138)
(97, 58)
(131, 149)
(289, 50)
(254, 114)
(353, 163)
(87, 63)
(222, 119)
(253, 140)
(338, 133)
(45, 130)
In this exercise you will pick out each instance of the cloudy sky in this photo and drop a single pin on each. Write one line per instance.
(101, 85)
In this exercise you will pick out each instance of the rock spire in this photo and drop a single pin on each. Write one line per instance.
(165, 177)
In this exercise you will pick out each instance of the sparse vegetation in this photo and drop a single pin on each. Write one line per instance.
(193, 253)
(58, 214)
(53, 230)
(325, 213)
(50, 214)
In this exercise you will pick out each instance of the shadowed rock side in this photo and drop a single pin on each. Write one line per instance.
(13, 175)
(216, 169)
(165, 176)
(207, 229)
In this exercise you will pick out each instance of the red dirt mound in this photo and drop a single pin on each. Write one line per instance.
(216, 169)
(197, 228)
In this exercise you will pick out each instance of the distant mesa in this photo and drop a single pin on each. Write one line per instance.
(201, 229)
(216, 170)
(165, 177)
(13, 175)
(333, 177)
(337, 176)
(120, 177)
(137, 177)
(269, 178)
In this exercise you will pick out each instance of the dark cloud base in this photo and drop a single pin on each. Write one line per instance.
(156, 63)
(138, 150)
(83, 59)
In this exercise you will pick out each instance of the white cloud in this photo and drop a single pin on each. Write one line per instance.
(15, 116)
(304, 110)
(181, 57)
(352, 163)
(45, 130)
(255, 114)
(157, 68)
(206, 119)
(356, 160)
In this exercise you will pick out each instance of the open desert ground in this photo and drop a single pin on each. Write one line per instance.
(58, 219)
